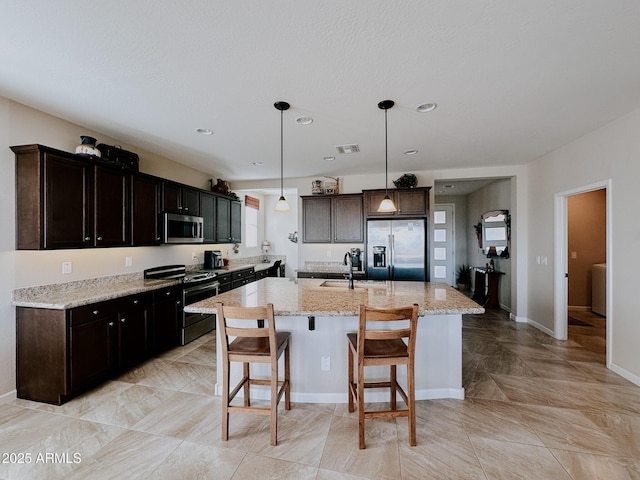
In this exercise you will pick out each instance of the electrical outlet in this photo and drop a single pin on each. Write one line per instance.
(194, 256)
(328, 253)
(325, 363)
(67, 268)
(128, 261)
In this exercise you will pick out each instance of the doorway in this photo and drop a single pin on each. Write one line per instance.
(443, 261)
(582, 240)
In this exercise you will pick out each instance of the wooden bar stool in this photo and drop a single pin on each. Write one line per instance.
(253, 344)
(384, 347)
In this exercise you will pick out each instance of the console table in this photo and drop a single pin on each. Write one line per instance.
(486, 287)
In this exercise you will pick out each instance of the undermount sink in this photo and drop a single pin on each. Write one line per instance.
(356, 283)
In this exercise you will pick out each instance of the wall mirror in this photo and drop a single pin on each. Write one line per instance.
(496, 233)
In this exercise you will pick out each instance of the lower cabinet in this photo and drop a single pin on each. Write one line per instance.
(167, 313)
(61, 353)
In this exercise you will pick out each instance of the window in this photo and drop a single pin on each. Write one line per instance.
(252, 205)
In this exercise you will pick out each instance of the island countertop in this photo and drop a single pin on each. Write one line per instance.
(305, 297)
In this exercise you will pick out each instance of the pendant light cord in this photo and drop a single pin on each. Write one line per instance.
(281, 154)
(386, 150)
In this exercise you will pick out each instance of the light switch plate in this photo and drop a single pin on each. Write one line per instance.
(67, 268)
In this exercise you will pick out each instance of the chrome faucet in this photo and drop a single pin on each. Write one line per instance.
(348, 260)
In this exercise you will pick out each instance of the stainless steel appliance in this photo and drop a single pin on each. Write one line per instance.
(197, 285)
(213, 259)
(397, 250)
(356, 259)
(182, 228)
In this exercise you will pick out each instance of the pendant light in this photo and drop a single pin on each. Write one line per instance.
(282, 205)
(386, 206)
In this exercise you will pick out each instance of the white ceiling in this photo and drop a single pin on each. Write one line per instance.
(513, 80)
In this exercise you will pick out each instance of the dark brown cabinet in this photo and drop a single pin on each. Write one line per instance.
(411, 202)
(228, 220)
(177, 198)
(167, 311)
(336, 219)
(112, 211)
(54, 202)
(208, 214)
(145, 210)
(61, 353)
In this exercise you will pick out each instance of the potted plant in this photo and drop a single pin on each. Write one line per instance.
(463, 277)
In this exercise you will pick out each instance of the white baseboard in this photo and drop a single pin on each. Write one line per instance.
(625, 373)
(382, 396)
(8, 397)
(518, 319)
(540, 327)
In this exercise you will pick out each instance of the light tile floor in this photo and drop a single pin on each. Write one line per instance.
(535, 408)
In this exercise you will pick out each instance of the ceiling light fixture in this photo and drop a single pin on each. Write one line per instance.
(411, 152)
(329, 159)
(386, 206)
(426, 107)
(204, 131)
(282, 205)
(304, 120)
(258, 164)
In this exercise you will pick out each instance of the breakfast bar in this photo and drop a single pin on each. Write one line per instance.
(319, 313)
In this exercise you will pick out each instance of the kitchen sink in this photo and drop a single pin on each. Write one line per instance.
(356, 283)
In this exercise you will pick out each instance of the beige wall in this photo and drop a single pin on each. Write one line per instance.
(609, 153)
(587, 236)
(22, 125)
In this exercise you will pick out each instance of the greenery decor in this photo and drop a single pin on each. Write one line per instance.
(408, 180)
(463, 275)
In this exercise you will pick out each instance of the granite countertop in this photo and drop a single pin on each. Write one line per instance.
(304, 297)
(62, 296)
(75, 294)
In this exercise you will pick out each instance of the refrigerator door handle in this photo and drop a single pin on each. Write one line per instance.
(391, 256)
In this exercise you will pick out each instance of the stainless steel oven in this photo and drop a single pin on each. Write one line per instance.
(195, 325)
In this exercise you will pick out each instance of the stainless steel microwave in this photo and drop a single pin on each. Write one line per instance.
(182, 228)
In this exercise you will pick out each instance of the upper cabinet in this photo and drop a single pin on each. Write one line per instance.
(64, 202)
(177, 198)
(208, 214)
(410, 202)
(228, 220)
(145, 210)
(332, 219)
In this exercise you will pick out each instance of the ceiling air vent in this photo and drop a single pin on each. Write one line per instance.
(352, 148)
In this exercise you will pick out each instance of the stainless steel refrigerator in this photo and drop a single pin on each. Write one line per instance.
(397, 250)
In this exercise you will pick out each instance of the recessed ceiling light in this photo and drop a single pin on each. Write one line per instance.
(426, 107)
(411, 152)
(329, 159)
(258, 164)
(204, 131)
(449, 186)
(304, 120)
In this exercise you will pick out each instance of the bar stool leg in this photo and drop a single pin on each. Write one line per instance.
(350, 370)
(247, 385)
(273, 424)
(361, 407)
(412, 404)
(287, 379)
(392, 388)
(225, 401)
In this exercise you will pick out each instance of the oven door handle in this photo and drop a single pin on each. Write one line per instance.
(208, 286)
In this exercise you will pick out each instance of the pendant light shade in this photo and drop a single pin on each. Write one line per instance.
(386, 206)
(281, 205)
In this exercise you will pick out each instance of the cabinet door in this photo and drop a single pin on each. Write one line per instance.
(145, 211)
(348, 224)
(208, 213)
(190, 201)
(372, 202)
(68, 203)
(412, 202)
(92, 351)
(171, 197)
(167, 311)
(316, 220)
(133, 344)
(223, 220)
(236, 222)
(112, 212)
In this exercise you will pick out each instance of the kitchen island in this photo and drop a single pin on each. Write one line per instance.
(319, 313)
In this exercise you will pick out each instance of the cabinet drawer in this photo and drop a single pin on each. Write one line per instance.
(88, 313)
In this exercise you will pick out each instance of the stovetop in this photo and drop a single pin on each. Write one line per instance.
(178, 272)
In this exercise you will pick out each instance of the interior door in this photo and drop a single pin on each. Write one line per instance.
(443, 260)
